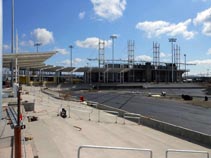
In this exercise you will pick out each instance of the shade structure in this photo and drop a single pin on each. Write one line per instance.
(25, 60)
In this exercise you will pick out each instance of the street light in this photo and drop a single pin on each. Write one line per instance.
(113, 37)
(172, 40)
(185, 65)
(71, 62)
(37, 45)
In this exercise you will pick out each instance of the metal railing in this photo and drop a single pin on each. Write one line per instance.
(12, 115)
(186, 151)
(113, 148)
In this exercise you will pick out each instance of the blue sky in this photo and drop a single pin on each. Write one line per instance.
(58, 24)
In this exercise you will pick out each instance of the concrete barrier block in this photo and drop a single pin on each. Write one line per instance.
(28, 106)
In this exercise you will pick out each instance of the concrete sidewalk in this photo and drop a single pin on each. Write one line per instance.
(55, 137)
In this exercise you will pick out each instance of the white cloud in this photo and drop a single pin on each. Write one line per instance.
(61, 51)
(200, 62)
(207, 28)
(92, 42)
(6, 47)
(209, 51)
(81, 15)
(23, 35)
(204, 18)
(158, 28)
(77, 60)
(26, 43)
(67, 62)
(164, 55)
(109, 9)
(43, 36)
(144, 58)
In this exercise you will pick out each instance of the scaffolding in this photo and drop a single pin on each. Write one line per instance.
(156, 60)
(156, 54)
(177, 56)
(101, 53)
(101, 59)
(131, 49)
(131, 60)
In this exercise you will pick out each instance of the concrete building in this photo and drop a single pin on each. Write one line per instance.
(32, 70)
(146, 72)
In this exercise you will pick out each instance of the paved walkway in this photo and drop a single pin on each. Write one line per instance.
(55, 137)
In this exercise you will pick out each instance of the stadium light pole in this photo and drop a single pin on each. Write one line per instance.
(172, 40)
(37, 45)
(71, 59)
(71, 62)
(112, 38)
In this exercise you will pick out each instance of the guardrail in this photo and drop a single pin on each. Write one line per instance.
(187, 151)
(113, 148)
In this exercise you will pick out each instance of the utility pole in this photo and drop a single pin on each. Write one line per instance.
(113, 37)
(37, 45)
(172, 40)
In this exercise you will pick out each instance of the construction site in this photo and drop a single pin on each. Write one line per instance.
(136, 105)
(30, 68)
(117, 96)
(115, 108)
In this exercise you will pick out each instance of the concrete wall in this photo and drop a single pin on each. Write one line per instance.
(187, 134)
(28, 106)
(190, 135)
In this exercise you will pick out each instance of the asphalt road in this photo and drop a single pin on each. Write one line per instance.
(174, 112)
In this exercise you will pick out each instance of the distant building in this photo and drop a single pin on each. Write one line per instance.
(138, 73)
(32, 70)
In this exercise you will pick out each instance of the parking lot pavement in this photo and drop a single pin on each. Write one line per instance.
(170, 111)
